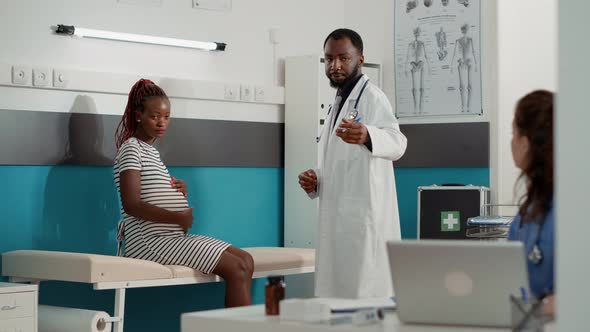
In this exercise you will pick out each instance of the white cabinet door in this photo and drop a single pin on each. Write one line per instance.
(18, 325)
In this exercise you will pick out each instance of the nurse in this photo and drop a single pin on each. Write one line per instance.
(532, 151)
(355, 181)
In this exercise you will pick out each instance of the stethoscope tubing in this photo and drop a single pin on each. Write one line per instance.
(356, 104)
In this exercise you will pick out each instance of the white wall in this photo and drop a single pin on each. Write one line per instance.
(373, 21)
(302, 26)
(26, 38)
(527, 60)
(572, 167)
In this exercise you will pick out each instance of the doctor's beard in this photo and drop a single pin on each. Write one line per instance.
(348, 79)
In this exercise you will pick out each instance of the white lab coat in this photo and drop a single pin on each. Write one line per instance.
(358, 201)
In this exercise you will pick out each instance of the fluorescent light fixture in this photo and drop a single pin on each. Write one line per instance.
(70, 30)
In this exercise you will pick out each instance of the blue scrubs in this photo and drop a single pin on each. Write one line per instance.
(540, 274)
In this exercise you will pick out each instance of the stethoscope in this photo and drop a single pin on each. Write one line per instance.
(351, 115)
(535, 256)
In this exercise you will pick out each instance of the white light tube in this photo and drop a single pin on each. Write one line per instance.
(145, 39)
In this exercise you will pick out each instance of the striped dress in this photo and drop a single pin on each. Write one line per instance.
(159, 242)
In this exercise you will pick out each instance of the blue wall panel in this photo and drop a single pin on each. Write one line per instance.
(76, 208)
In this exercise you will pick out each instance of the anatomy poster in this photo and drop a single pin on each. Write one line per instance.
(437, 57)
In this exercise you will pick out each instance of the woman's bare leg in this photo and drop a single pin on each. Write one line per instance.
(236, 267)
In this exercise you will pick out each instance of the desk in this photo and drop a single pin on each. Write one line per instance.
(253, 319)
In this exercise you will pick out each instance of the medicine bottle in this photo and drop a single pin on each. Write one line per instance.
(274, 292)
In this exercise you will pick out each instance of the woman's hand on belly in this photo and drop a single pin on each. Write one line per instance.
(179, 185)
(186, 219)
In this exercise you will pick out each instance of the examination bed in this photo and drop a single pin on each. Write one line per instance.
(119, 273)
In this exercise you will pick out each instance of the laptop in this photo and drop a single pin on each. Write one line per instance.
(456, 282)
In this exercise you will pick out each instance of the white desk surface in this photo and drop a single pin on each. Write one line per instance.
(253, 319)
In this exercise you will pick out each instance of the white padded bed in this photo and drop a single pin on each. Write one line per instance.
(119, 273)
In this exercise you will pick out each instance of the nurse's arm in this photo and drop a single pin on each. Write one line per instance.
(549, 305)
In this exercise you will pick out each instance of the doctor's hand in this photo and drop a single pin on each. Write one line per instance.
(352, 132)
(308, 180)
(179, 185)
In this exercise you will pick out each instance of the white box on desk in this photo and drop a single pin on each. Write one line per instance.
(304, 310)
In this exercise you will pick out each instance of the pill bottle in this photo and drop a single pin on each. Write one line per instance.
(274, 292)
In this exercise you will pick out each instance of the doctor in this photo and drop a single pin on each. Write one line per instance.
(355, 181)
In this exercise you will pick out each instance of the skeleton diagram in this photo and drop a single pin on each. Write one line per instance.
(441, 41)
(464, 2)
(411, 5)
(466, 64)
(415, 60)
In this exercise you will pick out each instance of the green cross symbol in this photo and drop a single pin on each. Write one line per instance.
(450, 221)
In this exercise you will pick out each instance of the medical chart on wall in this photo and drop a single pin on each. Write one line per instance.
(437, 56)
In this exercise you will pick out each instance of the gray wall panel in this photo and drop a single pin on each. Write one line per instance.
(43, 138)
(223, 143)
(47, 138)
(446, 145)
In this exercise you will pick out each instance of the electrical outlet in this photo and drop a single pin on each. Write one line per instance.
(60, 78)
(21, 75)
(246, 92)
(259, 94)
(231, 92)
(41, 76)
